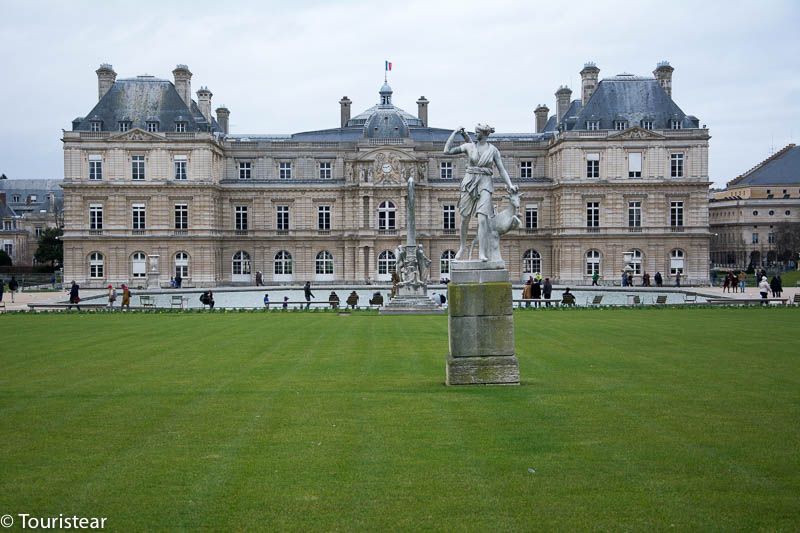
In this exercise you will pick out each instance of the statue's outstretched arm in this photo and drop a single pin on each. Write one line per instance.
(448, 146)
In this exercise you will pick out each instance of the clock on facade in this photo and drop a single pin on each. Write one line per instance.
(386, 168)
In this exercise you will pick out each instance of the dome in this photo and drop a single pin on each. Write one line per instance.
(386, 123)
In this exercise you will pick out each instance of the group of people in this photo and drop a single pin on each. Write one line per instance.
(733, 282)
(176, 282)
(537, 288)
(627, 279)
(13, 286)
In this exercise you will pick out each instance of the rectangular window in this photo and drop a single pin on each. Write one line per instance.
(9, 249)
(324, 218)
(676, 124)
(446, 170)
(138, 216)
(325, 171)
(137, 167)
(180, 127)
(449, 217)
(620, 125)
(592, 214)
(593, 125)
(152, 126)
(38, 230)
(676, 214)
(180, 167)
(592, 165)
(245, 169)
(181, 216)
(7, 225)
(285, 170)
(282, 213)
(647, 124)
(97, 125)
(676, 165)
(531, 217)
(755, 238)
(635, 214)
(95, 216)
(771, 237)
(525, 169)
(240, 220)
(15, 198)
(634, 165)
(95, 167)
(124, 126)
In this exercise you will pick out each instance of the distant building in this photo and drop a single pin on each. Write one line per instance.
(28, 207)
(745, 217)
(616, 179)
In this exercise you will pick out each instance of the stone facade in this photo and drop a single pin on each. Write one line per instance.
(329, 205)
(745, 216)
(28, 207)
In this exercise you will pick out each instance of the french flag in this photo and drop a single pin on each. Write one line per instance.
(388, 66)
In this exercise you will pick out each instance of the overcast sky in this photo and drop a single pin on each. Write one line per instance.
(281, 67)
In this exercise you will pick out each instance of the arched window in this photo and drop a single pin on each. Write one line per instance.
(676, 261)
(633, 259)
(241, 263)
(138, 265)
(96, 265)
(444, 261)
(324, 263)
(386, 216)
(531, 262)
(592, 262)
(182, 265)
(387, 263)
(283, 263)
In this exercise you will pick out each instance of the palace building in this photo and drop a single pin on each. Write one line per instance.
(615, 179)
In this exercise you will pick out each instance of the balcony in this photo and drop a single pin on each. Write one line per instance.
(531, 231)
(138, 232)
(676, 229)
(282, 232)
(180, 232)
(323, 232)
(95, 232)
(240, 232)
(634, 229)
(592, 230)
(387, 232)
(448, 232)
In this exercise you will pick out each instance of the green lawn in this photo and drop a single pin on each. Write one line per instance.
(626, 420)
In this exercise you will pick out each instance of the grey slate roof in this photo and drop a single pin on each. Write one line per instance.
(141, 99)
(26, 187)
(783, 168)
(631, 98)
(6, 212)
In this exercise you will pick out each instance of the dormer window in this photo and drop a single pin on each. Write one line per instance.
(152, 125)
(124, 125)
(647, 124)
(180, 127)
(96, 125)
(620, 125)
(15, 198)
(593, 125)
(675, 124)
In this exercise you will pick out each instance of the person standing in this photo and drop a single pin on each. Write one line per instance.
(308, 294)
(285, 303)
(13, 285)
(779, 284)
(548, 290)
(74, 295)
(678, 279)
(178, 281)
(742, 280)
(659, 279)
(645, 280)
(624, 279)
(259, 278)
(266, 300)
(763, 288)
(527, 291)
(536, 292)
(126, 297)
(112, 295)
(595, 277)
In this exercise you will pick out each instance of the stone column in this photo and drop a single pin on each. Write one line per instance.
(480, 325)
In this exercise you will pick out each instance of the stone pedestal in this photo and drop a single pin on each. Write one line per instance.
(480, 325)
(152, 280)
(411, 300)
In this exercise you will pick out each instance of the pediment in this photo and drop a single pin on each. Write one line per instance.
(385, 153)
(637, 133)
(136, 134)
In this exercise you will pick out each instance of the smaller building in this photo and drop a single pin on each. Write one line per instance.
(747, 216)
(27, 208)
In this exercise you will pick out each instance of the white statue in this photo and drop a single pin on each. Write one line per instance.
(477, 188)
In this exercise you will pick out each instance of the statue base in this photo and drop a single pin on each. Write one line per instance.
(411, 301)
(152, 280)
(480, 325)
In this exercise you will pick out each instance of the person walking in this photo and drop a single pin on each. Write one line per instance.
(178, 281)
(595, 277)
(74, 295)
(112, 296)
(624, 279)
(259, 278)
(13, 285)
(726, 283)
(285, 303)
(773, 286)
(308, 294)
(536, 292)
(659, 279)
(548, 290)
(779, 284)
(527, 291)
(742, 280)
(763, 288)
(645, 280)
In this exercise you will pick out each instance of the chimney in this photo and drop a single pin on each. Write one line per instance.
(105, 79)
(422, 110)
(344, 103)
(589, 76)
(222, 118)
(541, 113)
(183, 83)
(563, 97)
(2, 197)
(204, 102)
(663, 74)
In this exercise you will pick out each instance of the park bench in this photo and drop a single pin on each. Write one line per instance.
(690, 298)
(546, 301)
(178, 301)
(597, 300)
(636, 300)
(661, 299)
(146, 301)
(67, 306)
